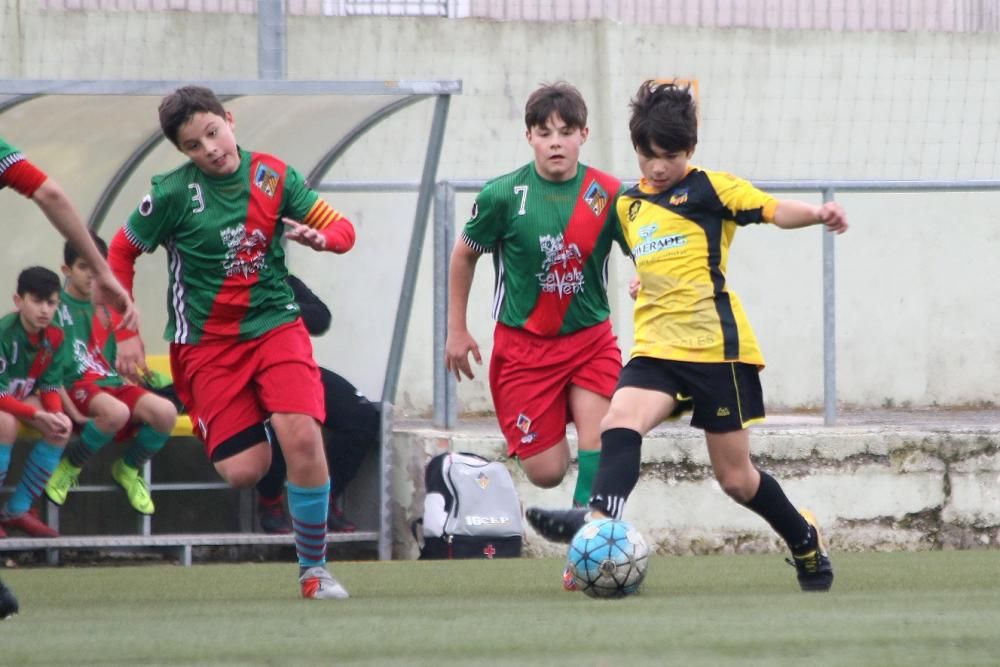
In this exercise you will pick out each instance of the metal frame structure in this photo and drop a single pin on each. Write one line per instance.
(24, 90)
(445, 408)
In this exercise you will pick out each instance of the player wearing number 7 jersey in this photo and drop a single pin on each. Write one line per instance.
(239, 352)
(550, 226)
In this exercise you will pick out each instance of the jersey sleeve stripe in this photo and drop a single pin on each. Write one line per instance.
(136, 241)
(475, 245)
(9, 161)
(321, 215)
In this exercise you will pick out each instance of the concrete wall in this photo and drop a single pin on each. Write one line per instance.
(889, 487)
(914, 275)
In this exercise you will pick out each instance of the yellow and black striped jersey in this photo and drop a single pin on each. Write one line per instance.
(680, 241)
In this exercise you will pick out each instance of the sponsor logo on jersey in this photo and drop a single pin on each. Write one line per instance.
(679, 197)
(650, 245)
(722, 412)
(528, 439)
(245, 254)
(633, 210)
(146, 206)
(561, 272)
(596, 197)
(266, 179)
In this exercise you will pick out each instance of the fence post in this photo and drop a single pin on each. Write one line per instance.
(829, 323)
(444, 238)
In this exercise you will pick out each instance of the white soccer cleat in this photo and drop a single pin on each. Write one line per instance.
(318, 584)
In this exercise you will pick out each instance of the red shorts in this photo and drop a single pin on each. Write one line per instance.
(229, 386)
(82, 393)
(530, 377)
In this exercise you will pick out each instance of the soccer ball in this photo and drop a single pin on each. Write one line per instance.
(608, 558)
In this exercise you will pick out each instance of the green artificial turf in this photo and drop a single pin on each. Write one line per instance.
(926, 608)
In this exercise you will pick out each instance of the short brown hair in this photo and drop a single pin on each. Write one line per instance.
(664, 114)
(178, 107)
(559, 97)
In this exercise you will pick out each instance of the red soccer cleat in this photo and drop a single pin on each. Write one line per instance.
(27, 523)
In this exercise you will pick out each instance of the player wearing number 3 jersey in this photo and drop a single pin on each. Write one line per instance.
(239, 351)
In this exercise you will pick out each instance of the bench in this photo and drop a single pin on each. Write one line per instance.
(183, 542)
(367, 501)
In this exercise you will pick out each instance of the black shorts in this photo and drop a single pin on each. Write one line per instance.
(727, 395)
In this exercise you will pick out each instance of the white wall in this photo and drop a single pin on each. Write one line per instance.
(915, 277)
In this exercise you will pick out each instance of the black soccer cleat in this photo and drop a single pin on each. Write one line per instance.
(557, 525)
(813, 567)
(8, 603)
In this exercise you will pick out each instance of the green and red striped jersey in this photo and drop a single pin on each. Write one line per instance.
(223, 241)
(30, 363)
(550, 243)
(89, 334)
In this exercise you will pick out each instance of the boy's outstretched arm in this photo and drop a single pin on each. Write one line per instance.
(460, 342)
(131, 361)
(794, 214)
(322, 229)
(49, 196)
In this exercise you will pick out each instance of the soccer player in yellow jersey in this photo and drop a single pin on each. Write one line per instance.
(692, 338)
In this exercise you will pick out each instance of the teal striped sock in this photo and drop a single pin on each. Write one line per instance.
(308, 507)
(91, 440)
(6, 449)
(37, 469)
(147, 442)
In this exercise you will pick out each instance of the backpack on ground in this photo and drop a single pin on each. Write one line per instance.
(471, 509)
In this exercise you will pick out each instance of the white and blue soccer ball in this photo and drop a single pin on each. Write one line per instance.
(608, 558)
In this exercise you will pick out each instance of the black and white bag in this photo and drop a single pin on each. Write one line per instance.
(471, 509)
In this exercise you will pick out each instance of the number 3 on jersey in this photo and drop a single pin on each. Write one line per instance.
(197, 197)
(523, 191)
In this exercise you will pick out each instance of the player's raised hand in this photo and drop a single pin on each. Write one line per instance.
(131, 362)
(304, 234)
(456, 354)
(108, 291)
(833, 217)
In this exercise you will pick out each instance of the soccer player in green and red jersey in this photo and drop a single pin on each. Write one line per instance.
(550, 226)
(107, 407)
(32, 358)
(239, 352)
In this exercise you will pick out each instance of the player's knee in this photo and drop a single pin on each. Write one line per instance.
(112, 416)
(164, 416)
(735, 484)
(546, 479)
(8, 427)
(243, 458)
(240, 477)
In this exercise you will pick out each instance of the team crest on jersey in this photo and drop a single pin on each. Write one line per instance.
(266, 179)
(475, 210)
(679, 197)
(633, 210)
(596, 197)
(146, 206)
(3, 365)
(523, 423)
